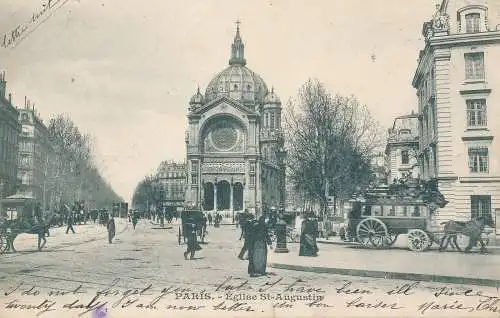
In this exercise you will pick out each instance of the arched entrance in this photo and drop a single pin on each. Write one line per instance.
(237, 196)
(208, 196)
(223, 195)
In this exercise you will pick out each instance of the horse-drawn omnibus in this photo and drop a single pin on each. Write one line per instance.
(379, 216)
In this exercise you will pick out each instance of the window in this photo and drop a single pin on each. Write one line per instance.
(272, 120)
(476, 113)
(405, 157)
(194, 166)
(474, 66)
(480, 205)
(478, 159)
(472, 23)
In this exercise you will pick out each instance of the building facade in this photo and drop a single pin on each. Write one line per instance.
(172, 180)
(34, 157)
(235, 142)
(9, 134)
(402, 148)
(380, 167)
(458, 88)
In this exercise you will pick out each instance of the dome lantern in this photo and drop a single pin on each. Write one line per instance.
(237, 49)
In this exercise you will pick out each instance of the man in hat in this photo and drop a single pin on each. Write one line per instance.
(190, 234)
(111, 229)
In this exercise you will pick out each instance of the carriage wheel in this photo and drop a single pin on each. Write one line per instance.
(371, 232)
(418, 240)
(390, 239)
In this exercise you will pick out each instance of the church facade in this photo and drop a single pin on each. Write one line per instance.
(233, 142)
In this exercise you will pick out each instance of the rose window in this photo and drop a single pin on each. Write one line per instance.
(224, 136)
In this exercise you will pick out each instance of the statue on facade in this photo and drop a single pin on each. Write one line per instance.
(440, 21)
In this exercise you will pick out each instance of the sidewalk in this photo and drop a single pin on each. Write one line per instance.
(445, 267)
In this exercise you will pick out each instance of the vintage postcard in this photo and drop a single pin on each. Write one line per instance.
(266, 158)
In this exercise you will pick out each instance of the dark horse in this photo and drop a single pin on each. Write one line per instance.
(473, 229)
(17, 227)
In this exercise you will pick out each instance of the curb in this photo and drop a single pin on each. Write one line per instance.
(391, 275)
(337, 243)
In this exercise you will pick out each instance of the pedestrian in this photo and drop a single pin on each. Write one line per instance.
(111, 229)
(245, 228)
(190, 233)
(258, 240)
(135, 217)
(69, 220)
(308, 245)
(209, 216)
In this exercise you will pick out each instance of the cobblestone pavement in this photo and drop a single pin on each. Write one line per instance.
(144, 272)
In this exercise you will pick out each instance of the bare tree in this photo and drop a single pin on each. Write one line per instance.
(74, 175)
(331, 140)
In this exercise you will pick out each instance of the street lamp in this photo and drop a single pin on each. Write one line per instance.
(281, 156)
(281, 224)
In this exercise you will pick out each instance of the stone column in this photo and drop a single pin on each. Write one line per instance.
(215, 196)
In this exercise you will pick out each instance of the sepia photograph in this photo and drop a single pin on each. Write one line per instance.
(237, 158)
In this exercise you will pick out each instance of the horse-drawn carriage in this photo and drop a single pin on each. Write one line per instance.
(21, 214)
(379, 216)
(200, 220)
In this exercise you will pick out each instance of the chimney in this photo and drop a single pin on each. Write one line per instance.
(3, 84)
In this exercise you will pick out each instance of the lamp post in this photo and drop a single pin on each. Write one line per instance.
(281, 224)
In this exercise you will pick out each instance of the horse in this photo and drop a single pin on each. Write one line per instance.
(473, 229)
(17, 227)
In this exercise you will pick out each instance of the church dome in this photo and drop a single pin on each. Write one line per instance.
(272, 98)
(197, 98)
(237, 81)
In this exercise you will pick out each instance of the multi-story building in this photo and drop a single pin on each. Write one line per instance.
(172, 182)
(402, 148)
(9, 134)
(34, 155)
(235, 142)
(458, 88)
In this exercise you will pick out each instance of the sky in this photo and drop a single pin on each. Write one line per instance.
(124, 70)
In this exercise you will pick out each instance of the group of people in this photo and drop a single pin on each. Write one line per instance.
(256, 239)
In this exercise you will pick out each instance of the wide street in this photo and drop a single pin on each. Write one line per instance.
(144, 272)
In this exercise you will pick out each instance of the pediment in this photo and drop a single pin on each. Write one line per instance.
(223, 102)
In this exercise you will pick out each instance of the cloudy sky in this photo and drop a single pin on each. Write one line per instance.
(125, 70)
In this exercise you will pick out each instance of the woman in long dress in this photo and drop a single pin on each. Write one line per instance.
(308, 246)
(257, 248)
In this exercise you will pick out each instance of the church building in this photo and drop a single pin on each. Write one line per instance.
(234, 142)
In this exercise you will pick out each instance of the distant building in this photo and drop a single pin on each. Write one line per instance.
(172, 181)
(9, 134)
(34, 157)
(458, 88)
(402, 148)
